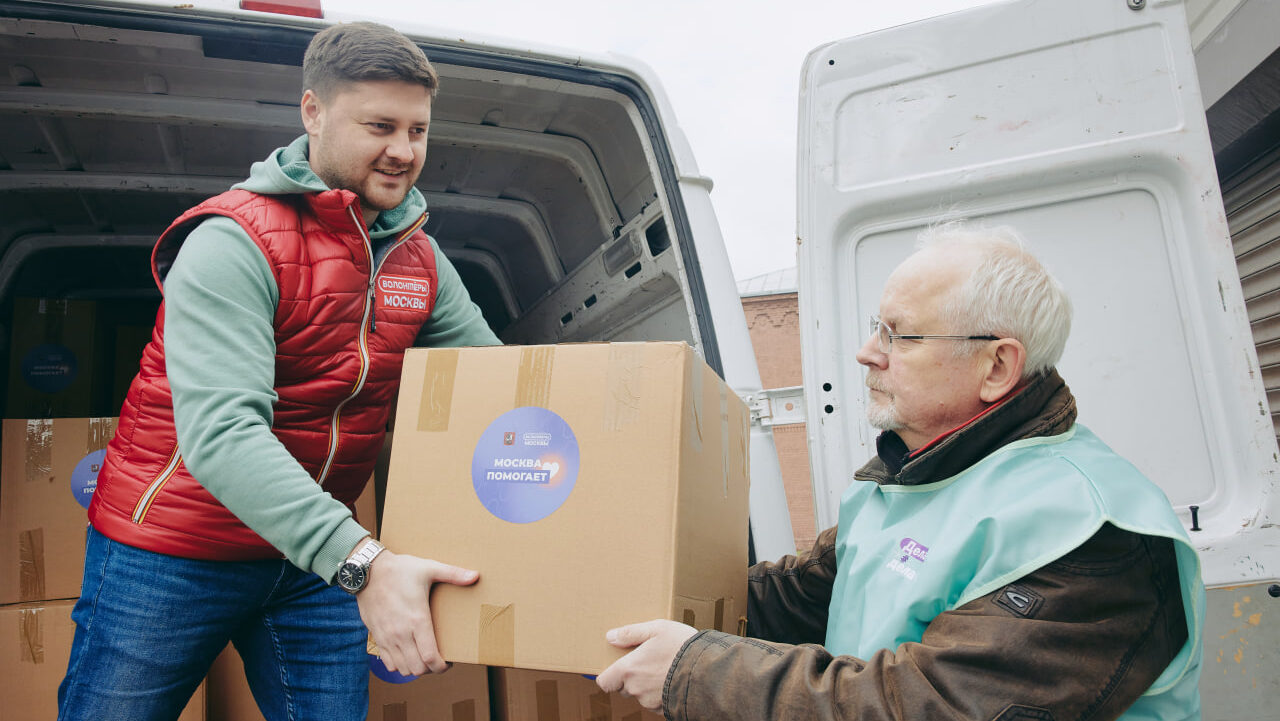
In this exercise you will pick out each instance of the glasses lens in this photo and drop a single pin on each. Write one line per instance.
(881, 333)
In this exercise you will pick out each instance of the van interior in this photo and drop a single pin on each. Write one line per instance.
(548, 184)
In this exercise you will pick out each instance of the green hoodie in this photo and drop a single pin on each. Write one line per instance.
(220, 302)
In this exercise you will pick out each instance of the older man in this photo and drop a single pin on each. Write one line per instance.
(995, 560)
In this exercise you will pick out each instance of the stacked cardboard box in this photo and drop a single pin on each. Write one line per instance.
(55, 359)
(48, 470)
(459, 694)
(74, 358)
(521, 695)
(35, 644)
(591, 485)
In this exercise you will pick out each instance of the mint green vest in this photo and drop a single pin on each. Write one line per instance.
(904, 554)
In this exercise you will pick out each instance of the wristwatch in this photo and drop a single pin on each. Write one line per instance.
(353, 575)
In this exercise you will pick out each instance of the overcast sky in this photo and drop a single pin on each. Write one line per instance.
(730, 68)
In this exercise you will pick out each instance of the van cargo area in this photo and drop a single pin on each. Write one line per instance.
(549, 185)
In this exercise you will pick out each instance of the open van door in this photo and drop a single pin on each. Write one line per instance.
(1079, 123)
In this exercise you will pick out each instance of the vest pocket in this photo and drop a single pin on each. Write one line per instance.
(153, 488)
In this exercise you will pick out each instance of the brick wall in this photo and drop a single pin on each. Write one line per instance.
(774, 324)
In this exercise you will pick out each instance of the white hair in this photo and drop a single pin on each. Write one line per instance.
(1009, 294)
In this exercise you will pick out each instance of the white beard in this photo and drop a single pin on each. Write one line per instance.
(883, 415)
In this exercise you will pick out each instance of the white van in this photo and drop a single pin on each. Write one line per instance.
(565, 193)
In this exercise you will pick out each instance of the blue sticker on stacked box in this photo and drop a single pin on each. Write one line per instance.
(84, 477)
(525, 464)
(49, 368)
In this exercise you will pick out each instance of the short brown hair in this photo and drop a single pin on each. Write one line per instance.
(363, 51)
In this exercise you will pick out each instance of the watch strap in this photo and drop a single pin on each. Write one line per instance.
(366, 552)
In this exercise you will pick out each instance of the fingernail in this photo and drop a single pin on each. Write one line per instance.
(611, 636)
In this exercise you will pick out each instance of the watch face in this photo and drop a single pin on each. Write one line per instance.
(351, 576)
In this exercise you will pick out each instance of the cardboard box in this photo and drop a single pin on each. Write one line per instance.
(591, 485)
(35, 645)
(229, 696)
(459, 694)
(48, 470)
(521, 695)
(54, 359)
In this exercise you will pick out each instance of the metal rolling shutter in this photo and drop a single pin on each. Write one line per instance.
(1252, 200)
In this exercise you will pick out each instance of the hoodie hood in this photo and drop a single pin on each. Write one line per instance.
(288, 171)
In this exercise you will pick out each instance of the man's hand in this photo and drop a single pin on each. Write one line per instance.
(643, 672)
(395, 608)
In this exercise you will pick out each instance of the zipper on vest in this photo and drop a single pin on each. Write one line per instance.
(368, 324)
(373, 271)
(153, 488)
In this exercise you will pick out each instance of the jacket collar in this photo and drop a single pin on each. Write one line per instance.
(1044, 407)
(337, 209)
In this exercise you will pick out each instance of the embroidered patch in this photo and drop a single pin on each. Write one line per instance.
(1020, 600)
(398, 291)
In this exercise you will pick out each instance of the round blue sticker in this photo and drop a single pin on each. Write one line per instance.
(380, 670)
(49, 368)
(525, 464)
(84, 477)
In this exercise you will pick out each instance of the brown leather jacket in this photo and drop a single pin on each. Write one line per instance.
(1080, 638)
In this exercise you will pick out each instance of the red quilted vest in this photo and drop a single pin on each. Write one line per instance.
(340, 342)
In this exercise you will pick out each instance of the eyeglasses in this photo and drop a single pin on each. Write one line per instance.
(885, 337)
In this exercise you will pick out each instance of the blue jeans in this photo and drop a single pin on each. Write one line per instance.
(148, 626)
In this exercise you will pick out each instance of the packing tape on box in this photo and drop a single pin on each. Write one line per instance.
(31, 635)
(546, 696)
(460, 711)
(599, 707)
(39, 450)
(690, 616)
(693, 376)
(498, 635)
(100, 432)
(437, 390)
(31, 565)
(724, 444)
(624, 386)
(464, 710)
(533, 377)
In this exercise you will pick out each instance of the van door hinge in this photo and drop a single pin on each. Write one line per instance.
(776, 406)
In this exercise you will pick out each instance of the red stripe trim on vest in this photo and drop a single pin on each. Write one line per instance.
(153, 489)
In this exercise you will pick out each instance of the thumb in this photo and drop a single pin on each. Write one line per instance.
(632, 635)
(444, 573)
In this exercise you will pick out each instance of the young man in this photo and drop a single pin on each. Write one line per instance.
(222, 510)
(994, 560)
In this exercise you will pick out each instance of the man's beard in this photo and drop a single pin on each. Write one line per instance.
(340, 177)
(882, 414)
